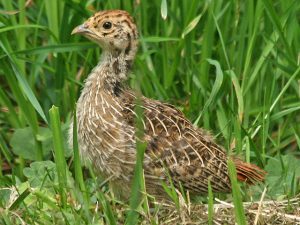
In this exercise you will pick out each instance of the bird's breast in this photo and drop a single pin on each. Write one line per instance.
(103, 137)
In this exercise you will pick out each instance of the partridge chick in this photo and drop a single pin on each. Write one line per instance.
(106, 123)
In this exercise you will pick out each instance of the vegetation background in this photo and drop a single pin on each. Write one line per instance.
(231, 66)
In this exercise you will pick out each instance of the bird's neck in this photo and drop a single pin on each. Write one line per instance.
(111, 71)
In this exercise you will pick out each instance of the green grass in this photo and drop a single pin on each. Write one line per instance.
(231, 66)
(236, 194)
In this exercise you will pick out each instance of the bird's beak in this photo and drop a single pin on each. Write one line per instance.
(81, 29)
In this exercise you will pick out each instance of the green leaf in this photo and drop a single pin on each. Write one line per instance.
(19, 200)
(138, 177)
(59, 152)
(23, 143)
(191, 25)
(239, 212)
(4, 196)
(282, 172)
(25, 86)
(284, 112)
(157, 39)
(16, 27)
(9, 12)
(216, 87)
(238, 93)
(70, 47)
(108, 212)
(41, 173)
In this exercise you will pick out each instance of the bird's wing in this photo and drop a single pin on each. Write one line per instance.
(176, 147)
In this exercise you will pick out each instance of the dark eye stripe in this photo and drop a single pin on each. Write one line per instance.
(128, 23)
(128, 48)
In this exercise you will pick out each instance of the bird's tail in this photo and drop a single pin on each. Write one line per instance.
(248, 173)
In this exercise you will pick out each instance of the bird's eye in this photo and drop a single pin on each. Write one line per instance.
(107, 25)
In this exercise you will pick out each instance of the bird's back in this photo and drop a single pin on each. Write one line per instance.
(175, 146)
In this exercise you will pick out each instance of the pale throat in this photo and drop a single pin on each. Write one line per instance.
(112, 69)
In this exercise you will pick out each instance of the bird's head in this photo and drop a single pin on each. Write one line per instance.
(111, 29)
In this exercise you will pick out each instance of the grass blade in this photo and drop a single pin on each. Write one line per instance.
(108, 212)
(25, 86)
(191, 25)
(236, 193)
(238, 93)
(164, 9)
(59, 153)
(137, 182)
(20, 200)
(216, 87)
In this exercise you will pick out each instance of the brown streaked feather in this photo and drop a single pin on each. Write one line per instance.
(184, 148)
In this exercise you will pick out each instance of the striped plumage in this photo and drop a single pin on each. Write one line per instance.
(106, 123)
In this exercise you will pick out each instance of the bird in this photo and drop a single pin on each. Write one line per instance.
(175, 151)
